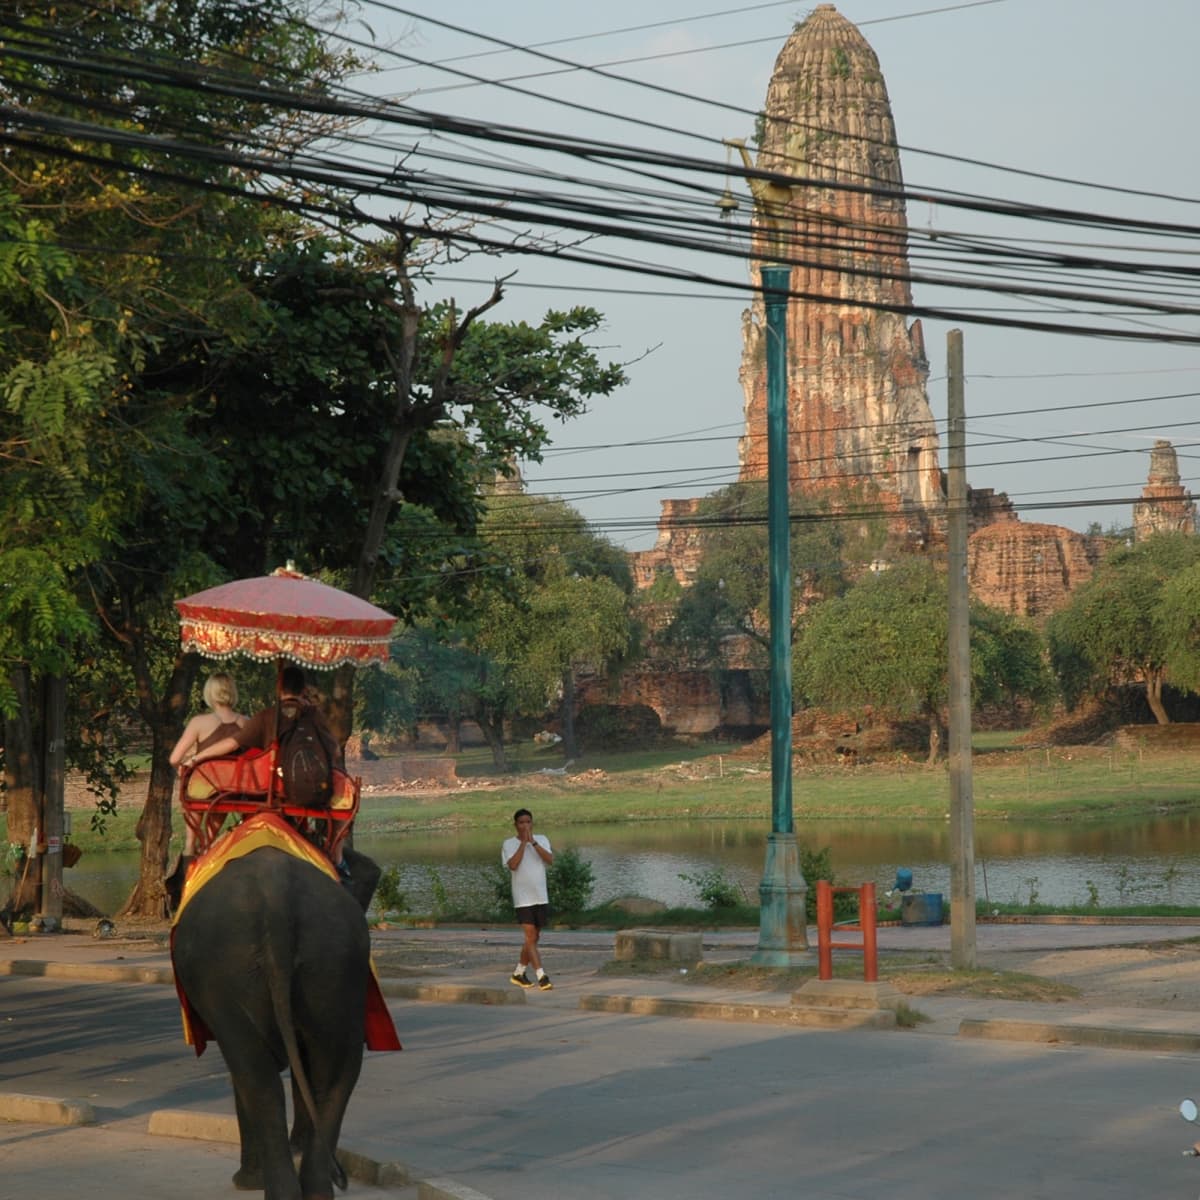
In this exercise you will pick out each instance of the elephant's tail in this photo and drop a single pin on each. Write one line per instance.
(279, 981)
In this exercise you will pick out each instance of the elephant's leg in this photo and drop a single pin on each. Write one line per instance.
(262, 1122)
(333, 1071)
(249, 1176)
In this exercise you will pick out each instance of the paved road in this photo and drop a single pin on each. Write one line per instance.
(542, 1100)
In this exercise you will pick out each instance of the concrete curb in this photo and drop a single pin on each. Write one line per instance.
(710, 1010)
(45, 1110)
(218, 1127)
(451, 993)
(1104, 1036)
(199, 1126)
(437, 993)
(87, 972)
(446, 1189)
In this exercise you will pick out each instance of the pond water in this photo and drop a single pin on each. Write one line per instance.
(1153, 860)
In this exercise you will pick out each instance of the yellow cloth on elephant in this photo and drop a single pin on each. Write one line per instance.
(268, 830)
(260, 830)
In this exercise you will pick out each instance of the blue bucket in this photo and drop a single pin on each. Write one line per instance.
(921, 908)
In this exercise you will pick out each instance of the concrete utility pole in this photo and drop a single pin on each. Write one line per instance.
(962, 803)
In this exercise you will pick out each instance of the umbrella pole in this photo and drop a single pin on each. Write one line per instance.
(274, 772)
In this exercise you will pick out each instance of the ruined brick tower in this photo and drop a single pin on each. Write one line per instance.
(1165, 506)
(857, 407)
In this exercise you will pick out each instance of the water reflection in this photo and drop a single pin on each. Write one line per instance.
(1136, 861)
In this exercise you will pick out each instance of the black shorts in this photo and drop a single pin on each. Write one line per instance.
(534, 914)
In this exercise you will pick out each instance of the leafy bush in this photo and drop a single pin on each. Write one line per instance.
(716, 891)
(617, 726)
(818, 864)
(501, 878)
(388, 895)
(438, 892)
(570, 882)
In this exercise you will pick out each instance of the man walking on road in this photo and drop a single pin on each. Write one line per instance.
(527, 855)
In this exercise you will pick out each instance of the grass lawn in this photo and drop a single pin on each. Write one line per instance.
(1011, 783)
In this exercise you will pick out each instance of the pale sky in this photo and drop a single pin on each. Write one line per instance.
(1094, 90)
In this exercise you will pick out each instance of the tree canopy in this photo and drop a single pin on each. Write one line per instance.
(1118, 627)
(884, 643)
(540, 600)
(198, 383)
(731, 591)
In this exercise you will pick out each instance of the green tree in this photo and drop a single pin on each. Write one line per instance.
(1179, 614)
(547, 599)
(444, 671)
(122, 268)
(730, 595)
(884, 643)
(58, 373)
(576, 624)
(1115, 627)
(277, 393)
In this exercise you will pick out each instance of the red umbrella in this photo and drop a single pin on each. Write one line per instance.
(285, 615)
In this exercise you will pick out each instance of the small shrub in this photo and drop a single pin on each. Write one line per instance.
(617, 726)
(388, 895)
(716, 891)
(909, 1018)
(818, 864)
(501, 881)
(437, 888)
(569, 885)
(570, 882)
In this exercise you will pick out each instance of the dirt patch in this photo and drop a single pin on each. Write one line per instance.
(132, 795)
(1155, 975)
(398, 955)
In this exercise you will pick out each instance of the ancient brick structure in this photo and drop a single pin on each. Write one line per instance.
(1027, 568)
(688, 703)
(858, 414)
(1165, 507)
(857, 408)
(677, 550)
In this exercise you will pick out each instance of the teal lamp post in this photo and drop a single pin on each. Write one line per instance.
(783, 927)
(782, 930)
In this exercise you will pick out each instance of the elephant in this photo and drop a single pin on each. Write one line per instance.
(273, 956)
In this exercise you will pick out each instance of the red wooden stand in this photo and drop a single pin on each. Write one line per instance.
(865, 924)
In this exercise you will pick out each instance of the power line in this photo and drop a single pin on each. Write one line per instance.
(584, 37)
(407, 190)
(788, 123)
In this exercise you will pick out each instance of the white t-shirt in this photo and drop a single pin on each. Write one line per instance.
(529, 879)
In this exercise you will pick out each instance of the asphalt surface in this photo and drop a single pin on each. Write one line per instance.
(506, 1094)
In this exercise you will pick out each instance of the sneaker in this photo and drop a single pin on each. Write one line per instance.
(544, 983)
(520, 979)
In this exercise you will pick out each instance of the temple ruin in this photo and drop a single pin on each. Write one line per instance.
(857, 406)
(1165, 507)
(858, 412)
(859, 418)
